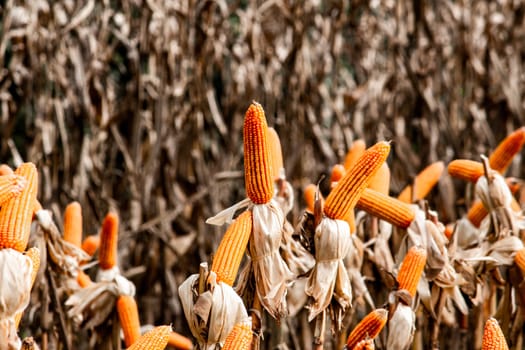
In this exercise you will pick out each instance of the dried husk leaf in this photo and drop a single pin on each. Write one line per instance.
(272, 275)
(329, 279)
(401, 328)
(15, 290)
(212, 315)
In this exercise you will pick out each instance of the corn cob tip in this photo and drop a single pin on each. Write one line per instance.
(369, 327)
(107, 256)
(411, 269)
(73, 224)
(276, 153)
(493, 338)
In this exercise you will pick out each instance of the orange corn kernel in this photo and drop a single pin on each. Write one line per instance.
(368, 328)
(411, 269)
(386, 208)
(16, 215)
(493, 338)
(258, 173)
(381, 180)
(276, 153)
(338, 171)
(128, 315)
(179, 341)
(91, 244)
(424, 183)
(107, 256)
(240, 337)
(10, 186)
(345, 195)
(73, 224)
(356, 151)
(229, 254)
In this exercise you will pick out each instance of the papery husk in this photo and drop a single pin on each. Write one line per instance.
(15, 290)
(401, 327)
(467, 234)
(284, 195)
(211, 315)
(354, 263)
(329, 283)
(272, 275)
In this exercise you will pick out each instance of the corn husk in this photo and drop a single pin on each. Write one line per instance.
(15, 290)
(211, 315)
(401, 328)
(329, 283)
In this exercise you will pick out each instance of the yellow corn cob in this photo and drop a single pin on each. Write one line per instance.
(33, 254)
(502, 156)
(355, 152)
(477, 213)
(465, 169)
(276, 153)
(309, 197)
(240, 337)
(128, 315)
(16, 215)
(381, 180)
(73, 224)
(519, 259)
(386, 208)
(368, 328)
(367, 344)
(424, 182)
(338, 171)
(344, 196)
(156, 339)
(107, 256)
(83, 279)
(179, 341)
(411, 269)
(91, 244)
(5, 170)
(10, 186)
(229, 254)
(493, 338)
(257, 162)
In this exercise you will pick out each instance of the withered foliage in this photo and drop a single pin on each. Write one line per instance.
(138, 105)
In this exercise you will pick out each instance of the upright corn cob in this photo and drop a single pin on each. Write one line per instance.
(464, 169)
(368, 328)
(91, 244)
(10, 186)
(73, 224)
(16, 215)
(179, 341)
(309, 197)
(240, 338)
(345, 195)
(477, 213)
(128, 315)
(493, 338)
(411, 269)
(276, 153)
(381, 180)
(502, 156)
(355, 152)
(156, 339)
(424, 182)
(257, 162)
(229, 254)
(386, 208)
(107, 256)
(338, 171)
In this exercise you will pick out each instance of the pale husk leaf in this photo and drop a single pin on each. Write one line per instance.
(401, 328)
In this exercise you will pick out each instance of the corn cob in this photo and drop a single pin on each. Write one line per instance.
(381, 180)
(502, 156)
(309, 197)
(276, 153)
(424, 182)
(344, 196)
(386, 208)
(156, 339)
(367, 344)
(368, 328)
(128, 315)
(240, 337)
(464, 169)
(257, 162)
(107, 256)
(519, 259)
(232, 247)
(5, 170)
(33, 254)
(73, 224)
(493, 338)
(477, 213)
(91, 244)
(338, 171)
(179, 341)
(10, 186)
(411, 269)
(83, 279)
(16, 215)
(355, 152)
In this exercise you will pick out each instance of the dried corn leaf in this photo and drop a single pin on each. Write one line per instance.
(401, 328)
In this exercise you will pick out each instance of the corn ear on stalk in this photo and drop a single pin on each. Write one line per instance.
(424, 183)
(493, 338)
(107, 256)
(502, 156)
(73, 224)
(411, 269)
(356, 151)
(156, 339)
(368, 328)
(128, 315)
(386, 208)
(240, 338)
(276, 153)
(464, 169)
(179, 341)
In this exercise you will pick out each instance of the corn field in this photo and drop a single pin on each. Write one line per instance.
(250, 174)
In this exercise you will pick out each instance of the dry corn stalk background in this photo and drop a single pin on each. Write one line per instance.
(137, 106)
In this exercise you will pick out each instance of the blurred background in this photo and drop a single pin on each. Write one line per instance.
(138, 106)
